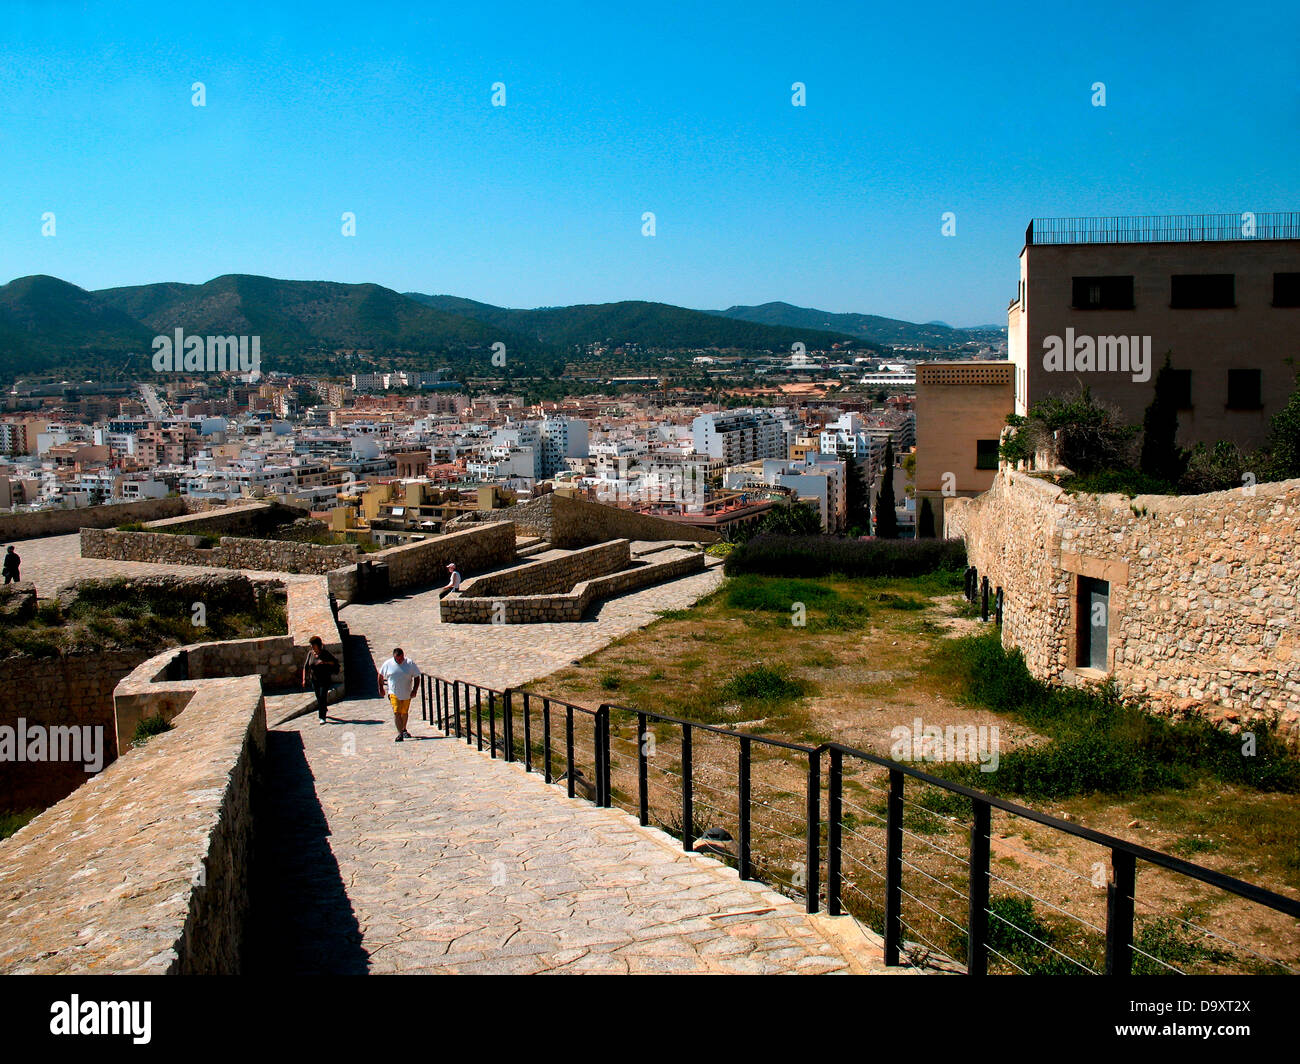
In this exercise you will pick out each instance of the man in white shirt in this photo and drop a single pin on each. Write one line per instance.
(399, 679)
(453, 578)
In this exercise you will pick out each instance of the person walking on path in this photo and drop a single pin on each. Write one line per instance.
(399, 679)
(10, 568)
(319, 668)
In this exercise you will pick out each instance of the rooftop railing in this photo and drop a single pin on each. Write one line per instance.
(1165, 228)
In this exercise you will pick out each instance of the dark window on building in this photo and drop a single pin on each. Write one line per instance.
(1199, 291)
(1245, 389)
(1286, 289)
(1180, 388)
(1103, 293)
(986, 454)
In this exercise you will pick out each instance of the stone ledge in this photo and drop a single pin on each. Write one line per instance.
(144, 869)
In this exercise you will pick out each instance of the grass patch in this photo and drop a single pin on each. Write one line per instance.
(762, 683)
(1101, 742)
(810, 556)
(147, 728)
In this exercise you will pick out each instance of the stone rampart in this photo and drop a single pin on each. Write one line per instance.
(1204, 591)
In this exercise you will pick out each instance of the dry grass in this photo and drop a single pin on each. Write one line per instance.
(860, 665)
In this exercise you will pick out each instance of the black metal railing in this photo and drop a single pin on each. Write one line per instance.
(874, 830)
(1165, 228)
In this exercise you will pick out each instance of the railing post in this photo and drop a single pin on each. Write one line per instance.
(492, 723)
(508, 722)
(1119, 913)
(894, 869)
(568, 747)
(642, 767)
(602, 754)
(688, 799)
(437, 696)
(834, 839)
(812, 857)
(478, 713)
(546, 737)
(977, 924)
(984, 600)
(528, 735)
(456, 693)
(742, 801)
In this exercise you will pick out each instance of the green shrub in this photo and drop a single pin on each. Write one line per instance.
(814, 556)
(147, 728)
(776, 596)
(1100, 742)
(763, 684)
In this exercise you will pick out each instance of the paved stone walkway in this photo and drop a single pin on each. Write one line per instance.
(52, 561)
(507, 655)
(430, 857)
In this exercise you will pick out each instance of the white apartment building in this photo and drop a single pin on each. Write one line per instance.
(742, 435)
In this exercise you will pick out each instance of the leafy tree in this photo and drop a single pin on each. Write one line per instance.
(1162, 458)
(791, 519)
(1216, 468)
(886, 519)
(1283, 448)
(1088, 437)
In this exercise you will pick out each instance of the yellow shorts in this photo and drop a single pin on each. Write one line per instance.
(400, 705)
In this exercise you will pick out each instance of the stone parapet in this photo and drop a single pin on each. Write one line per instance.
(1204, 590)
(145, 869)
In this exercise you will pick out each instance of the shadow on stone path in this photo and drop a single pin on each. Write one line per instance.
(303, 923)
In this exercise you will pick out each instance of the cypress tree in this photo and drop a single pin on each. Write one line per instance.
(886, 519)
(1162, 458)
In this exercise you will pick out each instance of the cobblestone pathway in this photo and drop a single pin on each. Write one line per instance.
(432, 858)
(453, 862)
(506, 655)
(427, 856)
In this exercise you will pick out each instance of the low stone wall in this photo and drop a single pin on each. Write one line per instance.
(62, 522)
(425, 562)
(70, 691)
(1204, 604)
(236, 519)
(570, 607)
(146, 869)
(554, 574)
(232, 552)
(568, 522)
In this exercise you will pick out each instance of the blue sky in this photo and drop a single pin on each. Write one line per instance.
(684, 110)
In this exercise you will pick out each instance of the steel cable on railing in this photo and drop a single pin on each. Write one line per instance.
(1045, 945)
(1044, 901)
(1206, 931)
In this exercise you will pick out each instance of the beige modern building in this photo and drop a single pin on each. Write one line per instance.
(1102, 300)
(961, 409)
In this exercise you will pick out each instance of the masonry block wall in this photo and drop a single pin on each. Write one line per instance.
(568, 522)
(425, 562)
(74, 690)
(1204, 590)
(62, 522)
(232, 552)
(100, 902)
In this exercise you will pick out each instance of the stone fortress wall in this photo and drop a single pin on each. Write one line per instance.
(1204, 608)
(562, 589)
(181, 903)
(569, 522)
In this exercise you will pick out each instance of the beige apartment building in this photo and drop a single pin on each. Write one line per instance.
(961, 409)
(1101, 301)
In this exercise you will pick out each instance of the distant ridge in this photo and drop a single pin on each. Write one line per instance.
(870, 327)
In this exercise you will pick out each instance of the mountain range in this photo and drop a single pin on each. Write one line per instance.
(49, 325)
